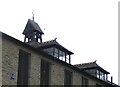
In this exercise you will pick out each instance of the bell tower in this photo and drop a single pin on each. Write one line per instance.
(32, 32)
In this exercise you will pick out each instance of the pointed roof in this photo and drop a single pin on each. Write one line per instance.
(91, 65)
(32, 26)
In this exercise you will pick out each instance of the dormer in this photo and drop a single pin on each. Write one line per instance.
(94, 69)
(56, 50)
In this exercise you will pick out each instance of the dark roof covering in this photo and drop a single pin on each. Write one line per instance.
(54, 59)
(47, 44)
(90, 65)
(32, 26)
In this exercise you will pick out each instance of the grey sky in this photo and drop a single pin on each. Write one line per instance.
(86, 27)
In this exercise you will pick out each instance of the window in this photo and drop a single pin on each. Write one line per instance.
(68, 78)
(44, 72)
(67, 58)
(84, 82)
(98, 74)
(49, 51)
(23, 68)
(56, 53)
(101, 75)
(62, 55)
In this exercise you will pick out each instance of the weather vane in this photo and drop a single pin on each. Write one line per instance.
(33, 15)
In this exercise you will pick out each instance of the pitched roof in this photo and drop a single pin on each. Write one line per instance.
(47, 44)
(91, 65)
(32, 26)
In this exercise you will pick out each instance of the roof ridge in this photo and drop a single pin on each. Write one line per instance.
(94, 62)
(49, 41)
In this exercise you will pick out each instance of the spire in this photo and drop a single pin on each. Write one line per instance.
(33, 15)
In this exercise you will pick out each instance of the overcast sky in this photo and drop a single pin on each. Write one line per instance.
(89, 28)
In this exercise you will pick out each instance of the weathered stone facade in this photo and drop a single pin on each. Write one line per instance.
(10, 58)
(0, 59)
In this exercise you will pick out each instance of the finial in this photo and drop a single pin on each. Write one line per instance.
(55, 39)
(33, 15)
(95, 61)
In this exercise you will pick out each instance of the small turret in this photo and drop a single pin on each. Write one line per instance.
(32, 32)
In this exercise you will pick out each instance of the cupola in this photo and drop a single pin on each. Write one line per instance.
(32, 32)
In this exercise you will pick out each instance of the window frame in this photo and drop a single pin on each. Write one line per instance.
(44, 73)
(68, 78)
(23, 67)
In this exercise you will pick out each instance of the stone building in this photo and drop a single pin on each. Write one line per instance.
(34, 62)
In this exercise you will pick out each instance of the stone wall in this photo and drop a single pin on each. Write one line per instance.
(10, 57)
(0, 59)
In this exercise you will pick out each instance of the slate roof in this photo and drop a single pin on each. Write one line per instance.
(91, 65)
(51, 43)
(32, 26)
